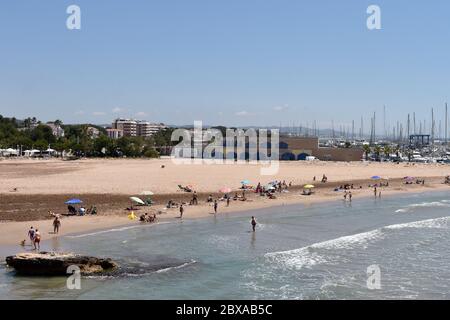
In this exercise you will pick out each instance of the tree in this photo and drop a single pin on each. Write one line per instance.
(377, 150)
(41, 145)
(366, 149)
(387, 151)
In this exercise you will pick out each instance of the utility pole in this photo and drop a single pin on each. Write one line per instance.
(408, 127)
(362, 128)
(353, 130)
(446, 119)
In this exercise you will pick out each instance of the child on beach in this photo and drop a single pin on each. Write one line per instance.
(253, 224)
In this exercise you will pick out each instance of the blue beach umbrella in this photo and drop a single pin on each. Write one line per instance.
(376, 178)
(73, 201)
(245, 182)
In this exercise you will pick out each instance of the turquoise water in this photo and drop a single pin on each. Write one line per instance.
(317, 252)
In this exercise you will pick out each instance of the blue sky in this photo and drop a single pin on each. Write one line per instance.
(234, 62)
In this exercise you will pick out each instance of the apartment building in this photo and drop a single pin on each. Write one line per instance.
(129, 127)
(136, 128)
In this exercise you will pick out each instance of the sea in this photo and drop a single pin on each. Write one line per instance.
(396, 247)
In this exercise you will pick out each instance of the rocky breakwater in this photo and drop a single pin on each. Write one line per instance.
(57, 264)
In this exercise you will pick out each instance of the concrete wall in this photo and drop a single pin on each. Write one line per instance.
(299, 147)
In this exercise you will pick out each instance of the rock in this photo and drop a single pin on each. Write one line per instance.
(56, 264)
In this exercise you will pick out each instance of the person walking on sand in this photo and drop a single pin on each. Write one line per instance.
(31, 234)
(253, 224)
(350, 196)
(345, 196)
(37, 240)
(56, 225)
(375, 191)
(228, 201)
(181, 211)
(215, 206)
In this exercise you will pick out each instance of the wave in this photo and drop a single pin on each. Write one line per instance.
(411, 207)
(442, 203)
(436, 223)
(177, 267)
(309, 256)
(113, 230)
(313, 254)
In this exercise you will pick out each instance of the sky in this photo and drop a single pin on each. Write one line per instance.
(233, 62)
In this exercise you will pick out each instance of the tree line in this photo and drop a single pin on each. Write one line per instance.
(78, 140)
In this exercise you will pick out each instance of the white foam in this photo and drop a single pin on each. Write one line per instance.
(309, 256)
(443, 203)
(177, 267)
(429, 223)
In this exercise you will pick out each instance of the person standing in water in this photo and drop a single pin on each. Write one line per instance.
(215, 206)
(37, 240)
(181, 211)
(56, 224)
(31, 234)
(350, 196)
(253, 224)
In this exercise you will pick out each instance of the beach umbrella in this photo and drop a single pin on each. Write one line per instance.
(245, 182)
(147, 193)
(375, 178)
(225, 190)
(270, 187)
(73, 201)
(409, 178)
(308, 186)
(137, 200)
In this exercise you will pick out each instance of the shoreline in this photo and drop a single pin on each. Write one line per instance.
(11, 233)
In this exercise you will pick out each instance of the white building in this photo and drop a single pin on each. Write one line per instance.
(57, 131)
(114, 133)
(137, 128)
(128, 126)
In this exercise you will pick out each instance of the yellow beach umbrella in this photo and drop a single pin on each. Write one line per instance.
(308, 186)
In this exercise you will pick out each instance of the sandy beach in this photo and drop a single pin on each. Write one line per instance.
(43, 185)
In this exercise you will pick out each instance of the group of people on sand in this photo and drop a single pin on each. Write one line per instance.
(148, 218)
(72, 211)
